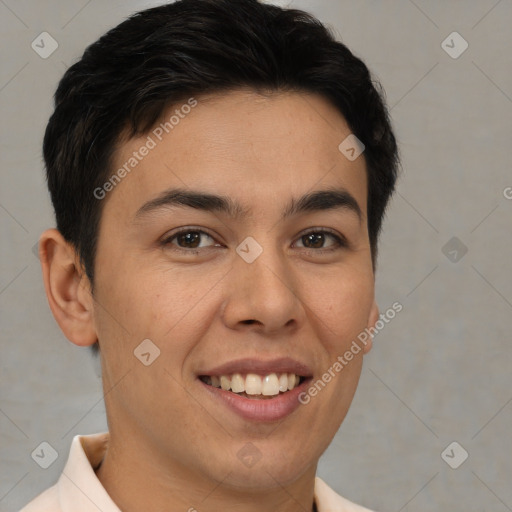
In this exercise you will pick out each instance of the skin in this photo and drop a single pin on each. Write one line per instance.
(171, 447)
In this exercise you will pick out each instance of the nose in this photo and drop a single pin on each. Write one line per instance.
(262, 295)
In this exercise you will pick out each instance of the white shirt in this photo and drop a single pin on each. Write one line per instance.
(79, 489)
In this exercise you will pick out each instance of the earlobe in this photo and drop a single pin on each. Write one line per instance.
(67, 288)
(373, 317)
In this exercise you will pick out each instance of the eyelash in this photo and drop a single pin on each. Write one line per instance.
(341, 241)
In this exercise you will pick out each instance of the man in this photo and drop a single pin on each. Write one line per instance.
(219, 171)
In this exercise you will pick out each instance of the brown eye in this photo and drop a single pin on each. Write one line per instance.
(188, 239)
(317, 239)
(313, 240)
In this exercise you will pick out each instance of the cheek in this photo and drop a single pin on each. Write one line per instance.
(342, 309)
(342, 304)
(171, 307)
(179, 301)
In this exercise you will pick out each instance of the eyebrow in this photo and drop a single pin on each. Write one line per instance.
(321, 200)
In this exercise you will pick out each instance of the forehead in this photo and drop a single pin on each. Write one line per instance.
(240, 144)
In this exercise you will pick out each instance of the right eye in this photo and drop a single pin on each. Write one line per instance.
(187, 240)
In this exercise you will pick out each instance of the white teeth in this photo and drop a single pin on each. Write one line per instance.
(225, 383)
(283, 382)
(237, 383)
(270, 385)
(253, 384)
(291, 381)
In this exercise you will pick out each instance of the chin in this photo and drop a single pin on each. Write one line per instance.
(268, 470)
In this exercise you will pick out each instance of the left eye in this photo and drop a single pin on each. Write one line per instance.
(316, 239)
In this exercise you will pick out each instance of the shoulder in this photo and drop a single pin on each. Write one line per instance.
(329, 501)
(47, 501)
(77, 476)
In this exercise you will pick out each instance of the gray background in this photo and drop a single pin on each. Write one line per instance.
(439, 372)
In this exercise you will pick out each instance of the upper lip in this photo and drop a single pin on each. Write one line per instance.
(260, 367)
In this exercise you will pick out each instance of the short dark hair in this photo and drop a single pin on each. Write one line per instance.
(126, 80)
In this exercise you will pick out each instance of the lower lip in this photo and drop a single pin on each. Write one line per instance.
(263, 410)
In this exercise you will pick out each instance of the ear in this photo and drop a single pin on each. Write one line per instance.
(373, 317)
(67, 288)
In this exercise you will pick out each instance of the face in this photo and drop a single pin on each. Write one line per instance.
(263, 280)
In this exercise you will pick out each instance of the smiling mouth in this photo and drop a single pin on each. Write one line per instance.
(254, 386)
